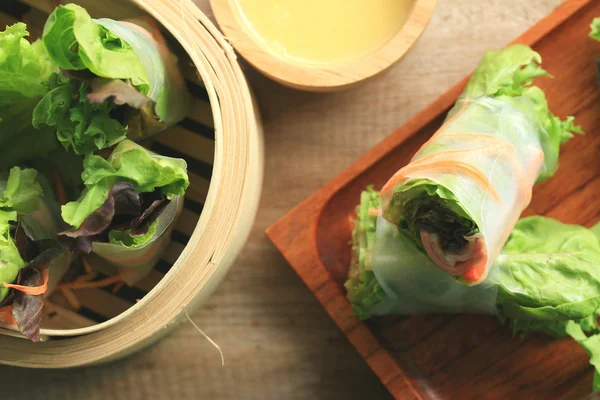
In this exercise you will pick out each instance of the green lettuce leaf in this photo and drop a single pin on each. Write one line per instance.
(507, 74)
(24, 67)
(362, 287)
(10, 259)
(81, 125)
(131, 163)
(595, 29)
(20, 191)
(126, 239)
(549, 271)
(126, 63)
(75, 42)
(422, 203)
(596, 230)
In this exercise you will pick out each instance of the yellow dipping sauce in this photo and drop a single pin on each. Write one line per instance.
(324, 31)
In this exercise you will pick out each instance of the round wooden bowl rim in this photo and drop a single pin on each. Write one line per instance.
(320, 77)
(222, 229)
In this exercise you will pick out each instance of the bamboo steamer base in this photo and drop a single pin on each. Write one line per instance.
(222, 142)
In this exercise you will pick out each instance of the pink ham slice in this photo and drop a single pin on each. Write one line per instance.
(468, 259)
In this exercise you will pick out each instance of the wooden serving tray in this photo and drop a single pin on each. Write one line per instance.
(463, 356)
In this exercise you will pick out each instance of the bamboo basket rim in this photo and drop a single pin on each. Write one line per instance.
(321, 78)
(223, 226)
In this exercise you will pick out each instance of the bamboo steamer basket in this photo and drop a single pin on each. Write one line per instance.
(222, 142)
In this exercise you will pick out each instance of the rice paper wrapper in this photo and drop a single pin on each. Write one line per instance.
(44, 224)
(168, 90)
(415, 285)
(500, 139)
(135, 263)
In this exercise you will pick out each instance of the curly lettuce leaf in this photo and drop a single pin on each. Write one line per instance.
(130, 163)
(363, 290)
(20, 191)
(549, 271)
(127, 239)
(131, 58)
(422, 203)
(507, 74)
(75, 42)
(24, 67)
(80, 125)
(595, 29)
(10, 259)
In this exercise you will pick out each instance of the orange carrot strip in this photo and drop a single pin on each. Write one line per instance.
(31, 290)
(522, 176)
(6, 315)
(71, 299)
(458, 113)
(118, 287)
(374, 211)
(493, 149)
(87, 285)
(61, 193)
(86, 265)
(476, 271)
(450, 166)
(87, 277)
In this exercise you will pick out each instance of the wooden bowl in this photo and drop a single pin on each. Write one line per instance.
(221, 141)
(318, 78)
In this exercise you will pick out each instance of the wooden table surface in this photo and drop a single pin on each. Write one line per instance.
(277, 340)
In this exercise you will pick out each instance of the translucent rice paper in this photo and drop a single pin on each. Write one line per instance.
(43, 224)
(500, 138)
(167, 87)
(135, 263)
(415, 285)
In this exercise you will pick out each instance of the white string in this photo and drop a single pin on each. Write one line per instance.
(205, 336)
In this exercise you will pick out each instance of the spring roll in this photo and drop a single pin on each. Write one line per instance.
(462, 193)
(128, 209)
(118, 79)
(31, 262)
(546, 279)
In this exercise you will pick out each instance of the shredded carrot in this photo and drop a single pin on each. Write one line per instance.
(118, 287)
(374, 211)
(458, 113)
(86, 265)
(87, 277)
(31, 290)
(96, 284)
(6, 315)
(521, 174)
(494, 149)
(61, 194)
(476, 272)
(466, 136)
(450, 166)
(71, 298)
